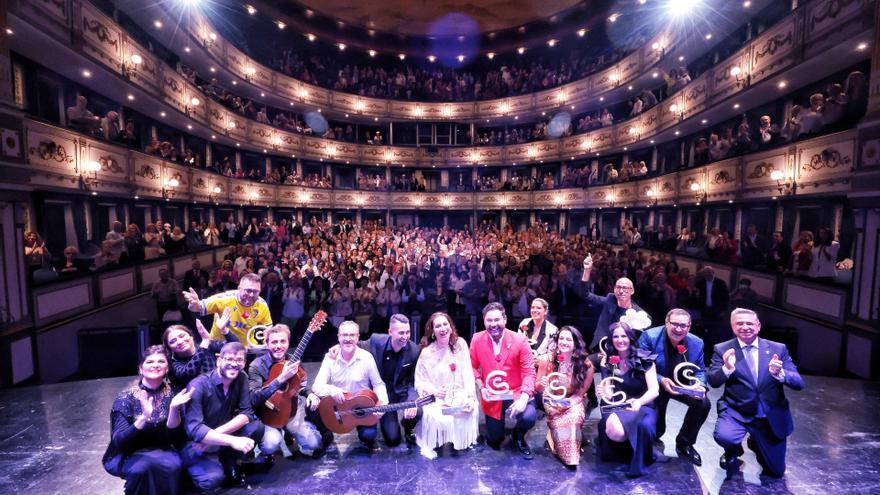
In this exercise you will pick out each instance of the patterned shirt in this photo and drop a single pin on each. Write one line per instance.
(242, 318)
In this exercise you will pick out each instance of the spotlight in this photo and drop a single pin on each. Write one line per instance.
(280, 24)
(581, 32)
(491, 55)
(432, 58)
(460, 58)
(311, 37)
(250, 9)
(371, 53)
(521, 50)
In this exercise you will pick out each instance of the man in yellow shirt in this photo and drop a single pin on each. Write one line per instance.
(248, 308)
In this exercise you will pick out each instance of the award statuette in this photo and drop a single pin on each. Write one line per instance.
(256, 338)
(453, 401)
(685, 381)
(496, 388)
(556, 389)
(617, 400)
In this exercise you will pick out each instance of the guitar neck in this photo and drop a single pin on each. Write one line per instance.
(301, 347)
(387, 407)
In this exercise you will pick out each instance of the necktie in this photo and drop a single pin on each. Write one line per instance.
(748, 354)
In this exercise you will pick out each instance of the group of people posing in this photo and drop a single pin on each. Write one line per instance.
(193, 417)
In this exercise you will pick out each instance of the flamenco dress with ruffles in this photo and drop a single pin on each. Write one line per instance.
(640, 426)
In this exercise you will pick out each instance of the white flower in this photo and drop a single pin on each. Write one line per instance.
(637, 320)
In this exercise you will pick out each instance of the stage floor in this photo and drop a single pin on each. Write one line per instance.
(52, 438)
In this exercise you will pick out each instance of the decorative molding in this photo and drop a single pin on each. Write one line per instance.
(101, 32)
(828, 158)
(772, 45)
(722, 177)
(51, 151)
(147, 172)
(762, 170)
(109, 164)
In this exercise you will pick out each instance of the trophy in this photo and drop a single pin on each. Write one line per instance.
(256, 338)
(556, 389)
(617, 400)
(496, 388)
(685, 381)
(454, 401)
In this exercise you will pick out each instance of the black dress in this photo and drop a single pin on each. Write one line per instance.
(145, 458)
(640, 426)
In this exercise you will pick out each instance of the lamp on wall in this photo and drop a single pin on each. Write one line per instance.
(168, 189)
(209, 38)
(192, 104)
(87, 177)
(252, 198)
(742, 78)
(130, 67)
(699, 192)
(214, 192)
(249, 73)
(785, 186)
(652, 197)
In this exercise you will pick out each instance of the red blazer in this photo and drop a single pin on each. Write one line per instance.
(516, 359)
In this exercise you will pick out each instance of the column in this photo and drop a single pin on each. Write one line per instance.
(678, 220)
(208, 155)
(777, 225)
(874, 81)
(444, 179)
(237, 161)
(503, 218)
(737, 227)
(563, 220)
(359, 217)
(446, 220)
(299, 168)
(268, 166)
(653, 159)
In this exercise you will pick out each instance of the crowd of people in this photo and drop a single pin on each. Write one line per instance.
(406, 81)
(380, 287)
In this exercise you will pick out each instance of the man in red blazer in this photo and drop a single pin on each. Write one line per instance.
(498, 349)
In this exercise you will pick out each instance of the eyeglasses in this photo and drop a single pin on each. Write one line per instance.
(623, 288)
(679, 325)
(233, 360)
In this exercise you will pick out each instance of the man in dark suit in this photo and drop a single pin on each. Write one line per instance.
(712, 294)
(396, 357)
(273, 293)
(673, 345)
(752, 248)
(192, 277)
(779, 254)
(754, 372)
(613, 306)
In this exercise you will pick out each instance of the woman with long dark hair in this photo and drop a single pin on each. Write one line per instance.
(188, 360)
(444, 370)
(567, 356)
(627, 434)
(145, 427)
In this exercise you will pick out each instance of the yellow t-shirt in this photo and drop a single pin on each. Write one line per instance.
(242, 318)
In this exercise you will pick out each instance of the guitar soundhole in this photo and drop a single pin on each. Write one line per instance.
(359, 413)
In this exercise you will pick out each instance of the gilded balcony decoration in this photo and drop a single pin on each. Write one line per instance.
(105, 37)
(51, 151)
(109, 164)
(829, 158)
(200, 184)
(822, 13)
(722, 177)
(762, 170)
(147, 172)
(667, 187)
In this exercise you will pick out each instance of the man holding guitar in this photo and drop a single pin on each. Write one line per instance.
(395, 355)
(350, 372)
(263, 387)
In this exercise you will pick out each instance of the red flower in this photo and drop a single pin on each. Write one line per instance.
(245, 315)
(523, 328)
(452, 367)
(681, 349)
(614, 360)
(560, 358)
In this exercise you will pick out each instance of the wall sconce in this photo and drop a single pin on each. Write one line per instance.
(786, 187)
(88, 176)
(634, 132)
(249, 73)
(303, 93)
(209, 39)
(193, 103)
(252, 198)
(213, 196)
(699, 193)
(652, 201)
(532, 153)
(560, 98)
(447, 111)
(276, 143)
(505, 108)
(657, 47)
(418, 112)
(676, 110)
(230, 126)
(358, 105)
(742, 78)
(168, 189)
(129, 69)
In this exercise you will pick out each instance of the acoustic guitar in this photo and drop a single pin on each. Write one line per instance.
(358, 409)
(282, 404)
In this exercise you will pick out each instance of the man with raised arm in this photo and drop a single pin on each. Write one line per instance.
(248, 308)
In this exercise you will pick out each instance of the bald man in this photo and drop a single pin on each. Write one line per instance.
(613, 305)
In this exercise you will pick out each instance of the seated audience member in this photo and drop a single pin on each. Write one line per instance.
(70, 264)
(105, 258)
(220, 423)
(188, 360)
(779, 255)
(80, 117)
(567, 356)
(768, 133)
(628, 435)
(145, 430)
(352, 370)
(811, 121)
(35, 251)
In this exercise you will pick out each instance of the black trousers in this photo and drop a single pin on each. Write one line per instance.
(524, 421)
(697, 412)
(148, 472)
(207, 470)
(366, 434)
(770, 449)
(389, 423)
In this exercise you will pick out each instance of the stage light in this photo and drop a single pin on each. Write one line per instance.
(371, 53)
(401, 56)
(782, 84)
(862, 47)
(551, 43)
(432, 58)
(250, 9)
(341, 47)
(747, 4)
(521, 50)
(460, 58)
(581, 32)
(491, 55)
(682, 8)
(158, 24)
(311, 37)
(613, 17)
(130, 97)
(280, 24)
(9, 31)
(87, 73)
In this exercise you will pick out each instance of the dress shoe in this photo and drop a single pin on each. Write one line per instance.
(410, 438)
(234, 478)
(729, 462)
(519, 439)
(688, 452)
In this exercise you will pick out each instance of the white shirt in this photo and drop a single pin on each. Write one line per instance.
(496, 346)
(350, 376)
